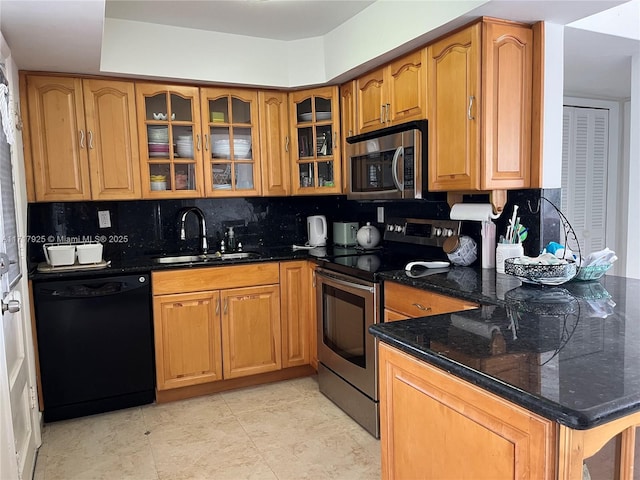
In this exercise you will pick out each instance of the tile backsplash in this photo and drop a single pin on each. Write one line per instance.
(147, 227)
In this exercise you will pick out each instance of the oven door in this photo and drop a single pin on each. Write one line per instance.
(346, 308)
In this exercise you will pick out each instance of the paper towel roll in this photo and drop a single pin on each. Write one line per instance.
(480, 212)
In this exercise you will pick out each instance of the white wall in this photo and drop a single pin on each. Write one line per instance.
(153, 50)
(553, 101)
(633, 178)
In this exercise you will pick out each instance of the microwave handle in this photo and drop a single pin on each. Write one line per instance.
(394, 168)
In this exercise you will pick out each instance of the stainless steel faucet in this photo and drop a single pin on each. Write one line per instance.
(203, 226)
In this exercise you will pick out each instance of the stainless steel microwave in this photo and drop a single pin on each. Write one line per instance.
(390, 163)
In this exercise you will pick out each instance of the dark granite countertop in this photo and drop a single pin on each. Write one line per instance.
(145, 264)
(569, 353)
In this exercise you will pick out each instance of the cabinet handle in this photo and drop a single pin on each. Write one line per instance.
(386, 112)
(469, 116)
(335, 135)
(226, 304)
(381, 113)
(81, 138)
(198, 141)
(90, 139)
(206, 142)
(421, 307)
(286, 144)
(217, 306)
(313, 281)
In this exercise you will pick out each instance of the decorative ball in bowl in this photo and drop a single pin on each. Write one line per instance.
(541, 274)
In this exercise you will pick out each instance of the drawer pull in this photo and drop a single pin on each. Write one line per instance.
(421, 307)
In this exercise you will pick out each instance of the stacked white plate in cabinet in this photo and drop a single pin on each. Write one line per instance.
(185, 146)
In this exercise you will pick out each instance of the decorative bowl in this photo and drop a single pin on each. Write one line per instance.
(541, 274)
(593, 272)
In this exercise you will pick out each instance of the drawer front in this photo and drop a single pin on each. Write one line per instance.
(414, 302)
(215, 278)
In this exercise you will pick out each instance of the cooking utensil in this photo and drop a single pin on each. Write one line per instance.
(427, 264)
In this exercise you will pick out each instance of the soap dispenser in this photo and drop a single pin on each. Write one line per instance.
(231, 239)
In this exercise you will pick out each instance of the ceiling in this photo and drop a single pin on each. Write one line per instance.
(67, 35)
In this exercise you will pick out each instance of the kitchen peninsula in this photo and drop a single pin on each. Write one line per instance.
(529, 385)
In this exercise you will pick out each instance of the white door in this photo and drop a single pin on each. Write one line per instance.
(585, 148)
(19, 414)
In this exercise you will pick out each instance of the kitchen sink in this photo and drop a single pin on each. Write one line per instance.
(211, 257)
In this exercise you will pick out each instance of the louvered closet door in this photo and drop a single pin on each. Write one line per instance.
(584, 174)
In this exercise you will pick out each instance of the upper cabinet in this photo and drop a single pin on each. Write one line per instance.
(170, 141)
(348, 122)
(393, 94)
(315, 127)
(80, 140)
(231, 144)
(479, 88)
(275, 143)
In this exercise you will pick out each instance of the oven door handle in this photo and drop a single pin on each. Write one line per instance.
(348, 284)
(394, 168)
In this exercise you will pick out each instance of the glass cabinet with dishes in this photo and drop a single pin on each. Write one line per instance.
(315, 126)
(231, 145)
(170, 141)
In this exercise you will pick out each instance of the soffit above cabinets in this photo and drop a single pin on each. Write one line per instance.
(282, 44)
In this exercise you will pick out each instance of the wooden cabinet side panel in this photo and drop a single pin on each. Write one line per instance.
(58, 133)
(295, 296)
(507, 92)
(251, 337)
(348, 117)
(202, 279)
(187, 339)
(112, 139)
(408, 88)
(26, 139)
(370, 100)
(428, 417)
(454, 106)
(274, 143)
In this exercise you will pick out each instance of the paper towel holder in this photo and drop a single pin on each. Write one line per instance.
(479, 212)
(497, 198)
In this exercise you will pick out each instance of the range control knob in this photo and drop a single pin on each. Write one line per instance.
(437, 232)
(447, 232)
(390, 228)
(399, 228)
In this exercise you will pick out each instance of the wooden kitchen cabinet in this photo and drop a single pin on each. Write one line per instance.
(187, 339)
(231, 143)
(393, 94)
(402, 302)
(315, 133)
(171, 141)
(82, 141)
(251, 331)
(480, 84)
(435, 425)
(298, 316)
(349, 125)
(275, 143)
(216, 323)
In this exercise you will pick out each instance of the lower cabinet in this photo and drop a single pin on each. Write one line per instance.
(187, 339)
(434, 425)
(250, 330)
(402, 302)
(227, 322)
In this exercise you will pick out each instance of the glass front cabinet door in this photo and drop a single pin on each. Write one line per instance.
(170, 141)
(231, 148)
(315, 126)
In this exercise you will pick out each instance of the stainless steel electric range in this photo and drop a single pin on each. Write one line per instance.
(349, 300)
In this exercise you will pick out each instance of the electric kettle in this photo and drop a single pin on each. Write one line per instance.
(317, 231)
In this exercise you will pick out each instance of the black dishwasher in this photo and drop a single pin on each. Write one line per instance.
(95, 341)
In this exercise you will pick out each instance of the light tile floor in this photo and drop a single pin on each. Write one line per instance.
(286, 431)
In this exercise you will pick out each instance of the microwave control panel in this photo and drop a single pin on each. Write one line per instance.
(421, 231)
